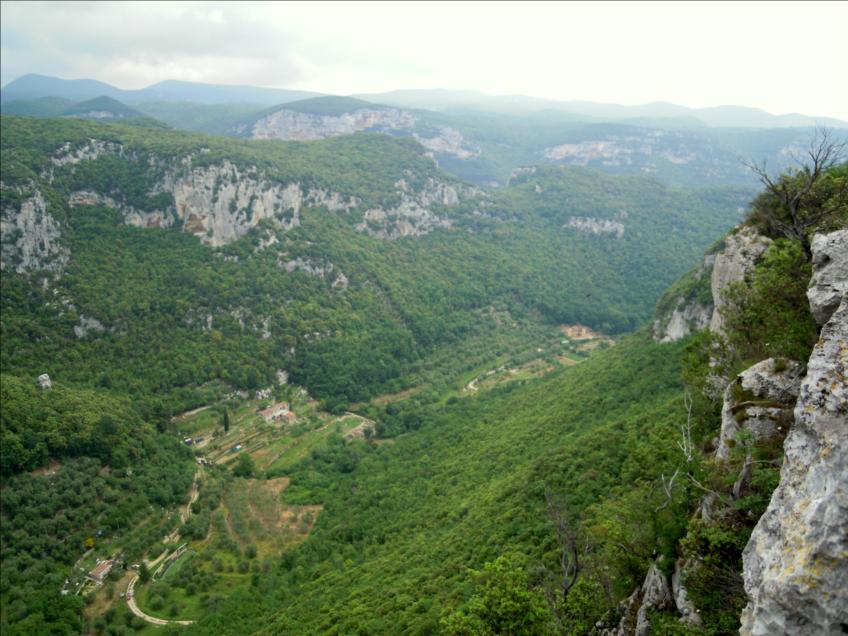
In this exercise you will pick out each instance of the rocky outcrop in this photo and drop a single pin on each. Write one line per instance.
(760, 402)
(683, 321)
(44, 382)
(91, 150)
(218, 203)
(654, 594)
(623, 150)
(87, 325)
(297, 126)
(413, 216)
(796, 562)
(684, 311)
(741, 252)
(221, 203)
(591, 225)
(449, 141)
(31, 238)
(829, 283)
(688, 614)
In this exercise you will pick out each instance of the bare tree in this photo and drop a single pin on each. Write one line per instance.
(793, 191)
(568, 541)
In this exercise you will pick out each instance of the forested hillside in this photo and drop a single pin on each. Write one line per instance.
(343, 262)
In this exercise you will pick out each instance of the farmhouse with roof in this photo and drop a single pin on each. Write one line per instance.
(277, 412)
(100, 571)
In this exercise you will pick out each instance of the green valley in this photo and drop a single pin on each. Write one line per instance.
(305, 368)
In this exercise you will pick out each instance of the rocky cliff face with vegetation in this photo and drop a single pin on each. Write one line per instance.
(782, 411)
(796, 563)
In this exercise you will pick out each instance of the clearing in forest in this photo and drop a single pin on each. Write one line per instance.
(254, 514)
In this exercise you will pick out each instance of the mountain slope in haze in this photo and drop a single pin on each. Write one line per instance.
(99, 108)
(38, 107)
(102, 108)
(716, 116)
(485, 148)
(34, 86)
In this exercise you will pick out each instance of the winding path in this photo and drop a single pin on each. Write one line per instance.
(150, 619)
(131, 604)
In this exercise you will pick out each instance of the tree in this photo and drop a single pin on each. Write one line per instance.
(226, 419)
(245, 466)
(568, 540)
(789, 205)
(143, 573)
(503, 603)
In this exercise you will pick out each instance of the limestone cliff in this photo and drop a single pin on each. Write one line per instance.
(293, 125)
(31, 237)
(688, 307)
(299, 126)
(741, 252)
(418, 213)
(217, 201)
(796, 562)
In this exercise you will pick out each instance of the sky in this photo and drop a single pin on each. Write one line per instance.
(784, 57)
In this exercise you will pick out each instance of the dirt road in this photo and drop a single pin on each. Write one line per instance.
(184, 514)
(150, 619)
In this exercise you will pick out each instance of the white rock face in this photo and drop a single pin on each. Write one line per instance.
(307, 266)
(775, 393)
(591, 225)
(796, 562)
(688, 614)
(31, 238)
(218, 203)
(221, 204)
(87, 325)
(44, 382)
(449, 141)
(341, 282)
(829, 283)
(333, 201)
(689, 315)
(93, 148)
(412, 216)
(655, 595)
(620, 150)
(295, 126)
(686, 319)
(741, 252)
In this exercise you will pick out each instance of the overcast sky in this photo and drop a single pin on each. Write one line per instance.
(781, 56)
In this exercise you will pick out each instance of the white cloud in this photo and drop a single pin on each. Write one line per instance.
(784, 57)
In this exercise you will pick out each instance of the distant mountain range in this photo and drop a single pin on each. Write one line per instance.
(32, 86)
(718, 116)
(100, 108)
